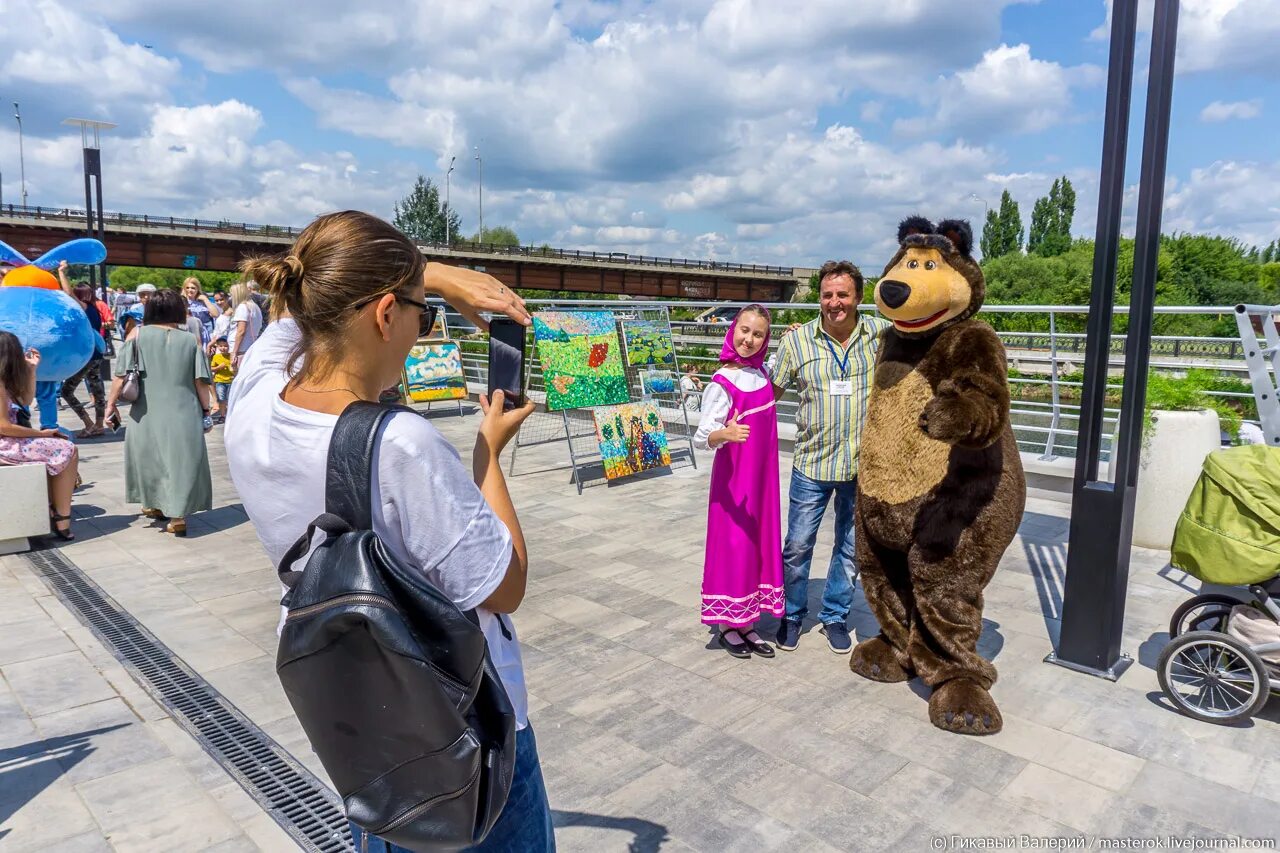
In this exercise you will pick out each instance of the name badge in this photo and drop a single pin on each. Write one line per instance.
(842, 388)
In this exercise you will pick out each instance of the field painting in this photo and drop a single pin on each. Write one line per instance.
(632, 439)
(581, 360)
(434, 372)
(657, 382)
(649, 342)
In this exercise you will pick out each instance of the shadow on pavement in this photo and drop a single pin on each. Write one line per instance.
(647, 835)
(28, 769)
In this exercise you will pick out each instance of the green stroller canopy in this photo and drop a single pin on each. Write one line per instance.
(1229, 532)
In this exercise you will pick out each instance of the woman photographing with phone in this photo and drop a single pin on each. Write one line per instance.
(349, 298)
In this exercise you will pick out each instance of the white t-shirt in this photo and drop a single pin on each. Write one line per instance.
(222, 327)
(428, 512)
(716, 401)
(251, 315)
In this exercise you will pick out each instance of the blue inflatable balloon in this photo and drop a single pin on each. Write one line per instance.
(53, 323)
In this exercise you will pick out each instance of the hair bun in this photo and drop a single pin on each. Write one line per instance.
(293, 267)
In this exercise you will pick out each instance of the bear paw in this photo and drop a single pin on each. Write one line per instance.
(874, 659)
(965, 707)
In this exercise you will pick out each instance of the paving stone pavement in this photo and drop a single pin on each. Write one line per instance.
(651, 738)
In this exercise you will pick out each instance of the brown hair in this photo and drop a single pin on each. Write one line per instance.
(15, 374)
(339, 261)
(165, 306)
(842, 268)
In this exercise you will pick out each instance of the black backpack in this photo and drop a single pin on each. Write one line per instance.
(391, 681)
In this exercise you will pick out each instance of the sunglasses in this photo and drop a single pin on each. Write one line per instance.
(427, 319)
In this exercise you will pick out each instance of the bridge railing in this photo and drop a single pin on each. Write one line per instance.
(223, 226)
(1044, 414)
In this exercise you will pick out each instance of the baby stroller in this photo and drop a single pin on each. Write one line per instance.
(1223, 658)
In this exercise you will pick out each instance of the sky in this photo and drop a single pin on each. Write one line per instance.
(743, 130)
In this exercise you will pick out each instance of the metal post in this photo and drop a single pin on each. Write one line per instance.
(448, 237)
(1056, 418)
(1256, 355)
(480, 190)
(22, 160)
(1102, 513)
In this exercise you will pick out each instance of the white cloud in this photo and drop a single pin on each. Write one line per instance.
(64, 63)
(1007, 91)
(1234, 199)
(1227, 110)
(1235, 35)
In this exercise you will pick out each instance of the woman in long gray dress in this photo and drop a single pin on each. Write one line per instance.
(165, 459)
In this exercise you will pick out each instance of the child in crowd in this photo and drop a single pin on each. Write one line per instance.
(691, 387)
(223, 373)
(742, 573)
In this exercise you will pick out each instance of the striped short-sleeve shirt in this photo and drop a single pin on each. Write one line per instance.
(828, 427)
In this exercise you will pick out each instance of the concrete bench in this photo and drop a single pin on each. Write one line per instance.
(24, 506)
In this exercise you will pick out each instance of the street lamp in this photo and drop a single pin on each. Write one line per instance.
(22, 163)
(448, 239)
(986, 208)
(480, 185)
(92, 173)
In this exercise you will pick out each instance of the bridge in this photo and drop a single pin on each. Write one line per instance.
(134, 239)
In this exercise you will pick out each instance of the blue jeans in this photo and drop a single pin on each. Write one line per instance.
(808, 503)
(47, 400)
(525, 823)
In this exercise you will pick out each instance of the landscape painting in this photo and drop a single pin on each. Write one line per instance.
(649, 342)
(632, 439)
(581, 361)
(657, 382)
(434, 372)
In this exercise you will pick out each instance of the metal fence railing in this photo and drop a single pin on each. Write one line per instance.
(223, 226)
(1045, 420)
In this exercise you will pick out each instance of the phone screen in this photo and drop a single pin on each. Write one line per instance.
(506, 360)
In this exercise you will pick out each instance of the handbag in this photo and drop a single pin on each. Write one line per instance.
(132, 384)
(391, 682)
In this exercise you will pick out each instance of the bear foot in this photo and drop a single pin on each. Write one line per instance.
(963, 706)
(874, 659)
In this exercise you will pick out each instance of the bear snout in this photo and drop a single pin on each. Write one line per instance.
(894, 293)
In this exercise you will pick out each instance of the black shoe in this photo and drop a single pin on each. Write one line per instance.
(788, 635)
(758, 646)
(738, 649)
(838, 639)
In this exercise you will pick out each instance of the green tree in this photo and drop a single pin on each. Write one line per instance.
(130, 277)
(500, 236)
(1002, 232)
(1051, 217)
(421, 217)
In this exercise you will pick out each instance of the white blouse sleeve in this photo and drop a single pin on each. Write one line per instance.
(716, 403)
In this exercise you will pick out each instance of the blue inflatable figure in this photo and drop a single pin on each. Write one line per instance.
(33, 307)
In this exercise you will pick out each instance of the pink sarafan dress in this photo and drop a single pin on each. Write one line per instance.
(742, 574)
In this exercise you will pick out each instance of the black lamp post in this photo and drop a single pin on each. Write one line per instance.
(1102, 512)
(92, 147)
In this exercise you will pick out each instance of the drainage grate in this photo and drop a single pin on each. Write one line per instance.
(303, 805)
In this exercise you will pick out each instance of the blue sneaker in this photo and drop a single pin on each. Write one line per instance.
(837, 637)
(788, 635)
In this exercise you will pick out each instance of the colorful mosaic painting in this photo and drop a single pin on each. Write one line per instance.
(581, 361)
(434, 372)
(657, 382)
(649, 342)
(632, 439)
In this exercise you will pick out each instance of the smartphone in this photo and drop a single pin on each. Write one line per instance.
(506, 361)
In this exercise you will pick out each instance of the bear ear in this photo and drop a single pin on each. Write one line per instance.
(914, 225)
(959, 233)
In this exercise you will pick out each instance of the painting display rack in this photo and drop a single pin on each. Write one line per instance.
(576, 427)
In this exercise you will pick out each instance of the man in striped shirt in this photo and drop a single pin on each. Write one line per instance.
(830, 362)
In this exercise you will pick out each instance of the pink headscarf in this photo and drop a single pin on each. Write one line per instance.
(730, 355)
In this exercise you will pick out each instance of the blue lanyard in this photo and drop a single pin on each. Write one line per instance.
(842, 364)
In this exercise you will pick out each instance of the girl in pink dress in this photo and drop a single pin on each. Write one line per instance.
(742, 573)
(20, 444)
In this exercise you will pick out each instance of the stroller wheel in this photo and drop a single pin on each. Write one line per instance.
(1203, 613)
(1213, 677)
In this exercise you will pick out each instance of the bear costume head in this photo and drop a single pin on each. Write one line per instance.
(933, 282)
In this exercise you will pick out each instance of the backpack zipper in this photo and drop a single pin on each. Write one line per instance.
(340, 601)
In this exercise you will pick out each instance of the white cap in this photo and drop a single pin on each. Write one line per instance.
(146, 287)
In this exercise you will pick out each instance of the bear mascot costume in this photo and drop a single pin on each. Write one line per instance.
(940, 483)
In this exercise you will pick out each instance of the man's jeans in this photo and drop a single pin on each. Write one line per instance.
(525, 823)
(47, 402)
(808, 503)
